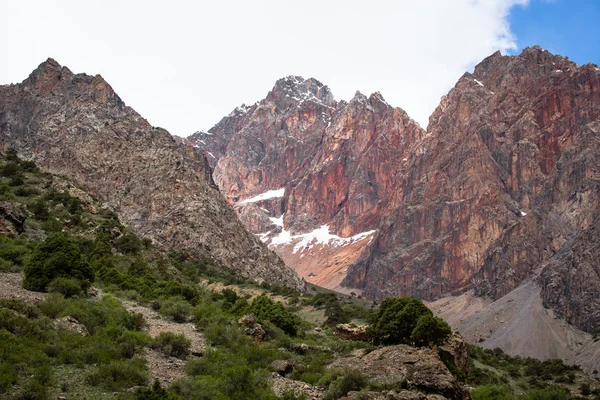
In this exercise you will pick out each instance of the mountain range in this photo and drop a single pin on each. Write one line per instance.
(494, 205)
(501, 190)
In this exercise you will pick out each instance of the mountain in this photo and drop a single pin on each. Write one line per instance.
(310, 175)
(500, 191)
(76, 126)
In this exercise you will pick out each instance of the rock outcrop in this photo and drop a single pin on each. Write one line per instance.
(76, 126)
(402, 366)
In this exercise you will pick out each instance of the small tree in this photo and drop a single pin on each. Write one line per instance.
(57, 257)
(396, 319)
(430, 330)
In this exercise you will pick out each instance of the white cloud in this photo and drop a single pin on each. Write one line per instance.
(184, 65)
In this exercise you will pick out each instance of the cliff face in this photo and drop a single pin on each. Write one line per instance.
(310, 175)
(507, 175)
(78, 127)
(356, 194)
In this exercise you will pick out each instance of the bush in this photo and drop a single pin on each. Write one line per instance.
(121, 374)
(172, 345)
(176, 308)
(547, 394)
(57, 257)
(156, 392)
(68, 287)
(350, 380)
(430, 330)
(492, 393)
(267, 309)
(396, 319)
(128, 243)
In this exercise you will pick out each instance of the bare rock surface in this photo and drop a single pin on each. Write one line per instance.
(418, 370)
(11, 287)
(76, 126)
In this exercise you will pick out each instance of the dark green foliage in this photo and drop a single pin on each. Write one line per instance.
(349, 380)
(492, 393)
(585, 389)
(10, 169)
(430, 330)
(117, 375)
(396, 319)
(267, 309)
(128, 243)
(547, 394)
(156, 392)
(176, 308)
(229, 295)
(68, 287)
(40, 210)
(58, 256)
(335, 314)
(172, 345)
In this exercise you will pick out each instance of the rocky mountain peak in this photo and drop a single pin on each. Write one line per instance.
(297, 90)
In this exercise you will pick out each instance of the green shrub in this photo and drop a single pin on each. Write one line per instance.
(349, 380)
(156, 392)
(130, 342)
(128, 243)
(68, 287)
(395, 320)
(430, 330)
(120, 374)
(546, 394)
(267, 309)
(492, 393)
(176, 308)
(335, 314)
(40, 210)
(58, 256)
(172, 345)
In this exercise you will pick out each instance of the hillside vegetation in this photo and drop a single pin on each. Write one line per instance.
(81, 342)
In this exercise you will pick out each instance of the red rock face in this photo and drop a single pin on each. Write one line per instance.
(339, 163)
(78, 127)
(508, 173)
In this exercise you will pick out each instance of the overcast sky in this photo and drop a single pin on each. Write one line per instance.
(184, 65)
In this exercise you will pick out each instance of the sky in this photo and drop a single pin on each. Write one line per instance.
(184, 65)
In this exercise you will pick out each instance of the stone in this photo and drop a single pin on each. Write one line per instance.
(402, 366)
(282, 367)
(352, 332)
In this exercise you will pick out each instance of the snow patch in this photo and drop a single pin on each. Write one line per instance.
(322, 236)
(523, 213)
(211, 154)
(478, 82)
(271, 194)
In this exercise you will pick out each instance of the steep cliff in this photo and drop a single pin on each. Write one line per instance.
(507, 173)
(312, 176)
(76, 126)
